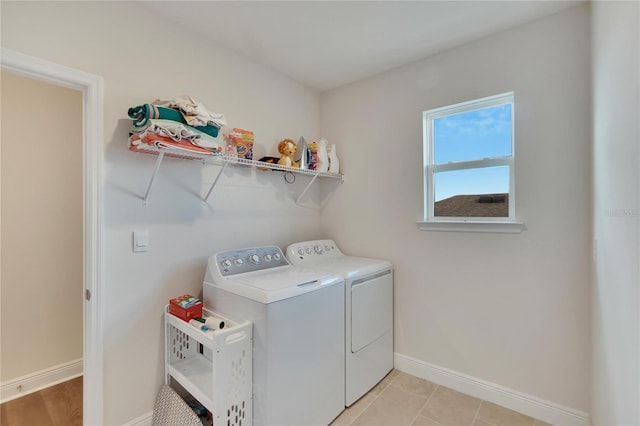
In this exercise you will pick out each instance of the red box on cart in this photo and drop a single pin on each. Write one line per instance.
(186, 307)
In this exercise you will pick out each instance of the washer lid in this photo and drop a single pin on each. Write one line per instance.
(276, 284)
(348, 267)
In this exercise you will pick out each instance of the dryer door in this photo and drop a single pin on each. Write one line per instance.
(371, 309)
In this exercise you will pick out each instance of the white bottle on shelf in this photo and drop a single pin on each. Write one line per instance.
(334, 163)
(323, 156)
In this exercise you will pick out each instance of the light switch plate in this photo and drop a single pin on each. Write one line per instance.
(140, 240)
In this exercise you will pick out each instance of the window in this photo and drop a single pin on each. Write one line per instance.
(469, 166)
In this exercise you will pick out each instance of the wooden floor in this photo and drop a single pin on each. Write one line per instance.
(59, 405)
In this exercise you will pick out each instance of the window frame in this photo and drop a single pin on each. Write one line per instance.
(467, 223)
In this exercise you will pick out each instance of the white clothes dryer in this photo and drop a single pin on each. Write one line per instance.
(368, 311)
(298, 332)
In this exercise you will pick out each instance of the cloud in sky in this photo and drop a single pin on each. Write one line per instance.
(473, 135)
(481, 122)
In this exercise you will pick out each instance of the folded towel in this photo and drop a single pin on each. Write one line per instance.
(150, 149)
(194, 112)
(141, 114)
(151, 139)
(178, 132)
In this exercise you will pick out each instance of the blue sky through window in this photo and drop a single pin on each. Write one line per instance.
(473, 135)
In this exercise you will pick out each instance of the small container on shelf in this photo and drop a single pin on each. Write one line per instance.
(186, 307)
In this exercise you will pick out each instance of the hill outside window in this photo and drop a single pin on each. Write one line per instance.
(469, 177)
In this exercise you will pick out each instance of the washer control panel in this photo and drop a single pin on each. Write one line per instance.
(249, 259)
(312, 250)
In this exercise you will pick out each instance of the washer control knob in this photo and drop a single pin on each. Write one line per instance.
(238, 261)
(317, 248)
(308, 250)
(276, 256)
(326, 247)
(226, 264)
(267, 258)
(301, 251)
(255, 259)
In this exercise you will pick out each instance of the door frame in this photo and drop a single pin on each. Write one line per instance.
(91, 87)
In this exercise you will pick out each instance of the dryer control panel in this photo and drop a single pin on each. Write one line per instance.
(249, 259)
(313, 250)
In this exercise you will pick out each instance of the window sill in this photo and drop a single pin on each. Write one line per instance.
(502, 227)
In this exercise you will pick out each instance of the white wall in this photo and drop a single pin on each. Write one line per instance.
(616, 211)
(508, 309)
(41, 288)
(142, 58)
(459, 297)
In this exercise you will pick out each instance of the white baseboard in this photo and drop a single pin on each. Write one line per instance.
(34, 382)
(529, 405)
(143, 420)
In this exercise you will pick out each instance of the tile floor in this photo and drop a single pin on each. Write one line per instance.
(404, 400)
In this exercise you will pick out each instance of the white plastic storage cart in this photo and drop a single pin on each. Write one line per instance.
(215, 367)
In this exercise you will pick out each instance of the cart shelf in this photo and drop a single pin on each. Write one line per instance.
(215, 367)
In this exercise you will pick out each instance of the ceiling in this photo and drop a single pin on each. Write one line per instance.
(326, 44)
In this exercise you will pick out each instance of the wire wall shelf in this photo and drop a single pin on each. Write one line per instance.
(225, 161)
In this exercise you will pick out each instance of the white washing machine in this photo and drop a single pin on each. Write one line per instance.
(368, 311)
(298, 332)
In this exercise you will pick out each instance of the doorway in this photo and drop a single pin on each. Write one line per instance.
(41, 285)
(91, 89)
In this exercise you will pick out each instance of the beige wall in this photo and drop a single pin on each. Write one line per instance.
(507, 309)
(41, 287)
(616, 213)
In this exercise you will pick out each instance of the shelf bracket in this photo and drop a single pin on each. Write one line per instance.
(215, 180)
(306, 189)
(153, 177)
